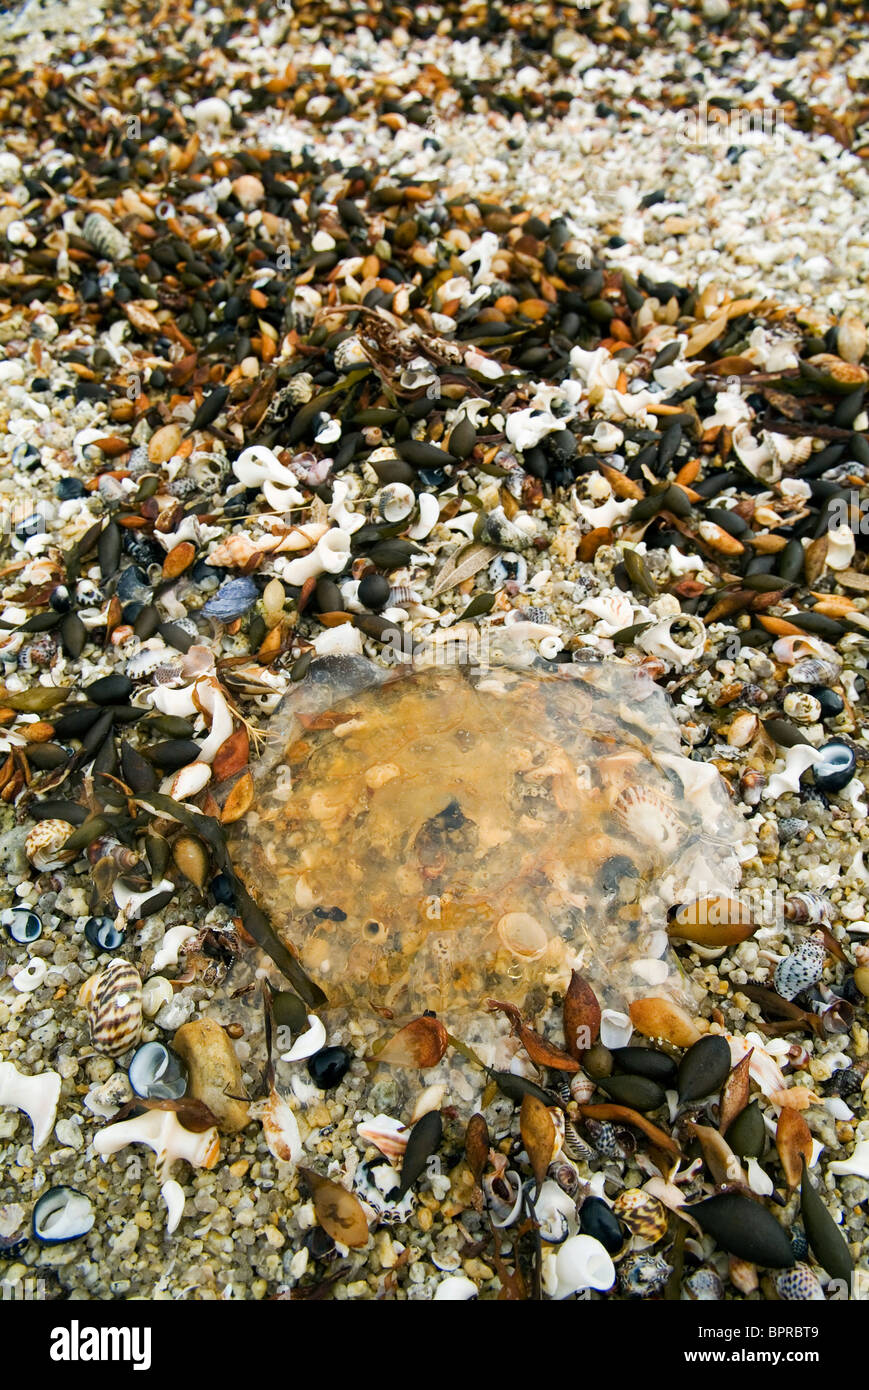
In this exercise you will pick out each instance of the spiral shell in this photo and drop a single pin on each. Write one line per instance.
(114, 1003)
(348, 354)
(104, 238)
(300, 388)
(644, 1215)
(640, 1275)
(396, 501)
(44, 844)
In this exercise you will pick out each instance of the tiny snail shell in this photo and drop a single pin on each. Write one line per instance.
(22, 925)
(802, 707)
(114, 1005)
(44, 844)
(62, 1214)
(396, 501)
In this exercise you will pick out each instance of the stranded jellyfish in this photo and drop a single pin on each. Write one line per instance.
(428, 838)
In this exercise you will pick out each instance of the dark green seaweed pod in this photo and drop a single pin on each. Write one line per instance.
(704, 1068)
(424, 1139)
(827, 1243)
(744, 1228)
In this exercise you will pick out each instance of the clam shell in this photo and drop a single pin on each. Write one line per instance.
(44, 844)
(114, 1004)
(647, 817)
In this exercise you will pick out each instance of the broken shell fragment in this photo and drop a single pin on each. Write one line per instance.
(163, 1132)
(36, 1095)
(62, 1214)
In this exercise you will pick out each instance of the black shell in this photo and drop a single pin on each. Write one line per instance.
(744, 1228)
(103, 935)
(598, 1220)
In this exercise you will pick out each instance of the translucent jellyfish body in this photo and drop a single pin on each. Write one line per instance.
(428, 839)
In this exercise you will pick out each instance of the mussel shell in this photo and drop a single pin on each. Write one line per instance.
(103, 935)
(62, 1214)
(747, 1135)
(156, 1073)
(704, 1068)
(636, 1091)
(646, 1061)
(22, 925)
(598, 1220)
(744, 1228)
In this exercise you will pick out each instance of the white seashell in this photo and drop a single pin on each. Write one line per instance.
(173, 1195)
(582, 1263)
(210, 698)
(307, 1043)
(503, 1213)
(257, 465)
(36, 1095)
(762, 1068)
(653, 972)
(212, 112)
(330, 555)
(582, 1088)
(759, 1181)
(457, 1288)
(697, 778)
(386, 1134)
(659, 640)
(522, 935)
(44, 844)
(396, 501)
(281, 1129)
(797, 760)
(683, 564)
(176, 702)
(648, 817)
(616, 1028)
(790, 650)
(131, 903)
(349, 354)
(429, 510)
(857, 1165)
(346, 520)
(187, 781)
(755, 454)
(555, 1212)
(841, 546)
(343, 640)
(429, 1099)
(32, 976)
(155, 993)
(613, 609)
(162, 1131)
(169, 946)
(604, 515)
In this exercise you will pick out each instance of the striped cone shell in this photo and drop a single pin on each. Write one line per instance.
(114, 1005)
(644, 1215)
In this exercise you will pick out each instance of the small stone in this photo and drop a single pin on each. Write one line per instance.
(214, 1072)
